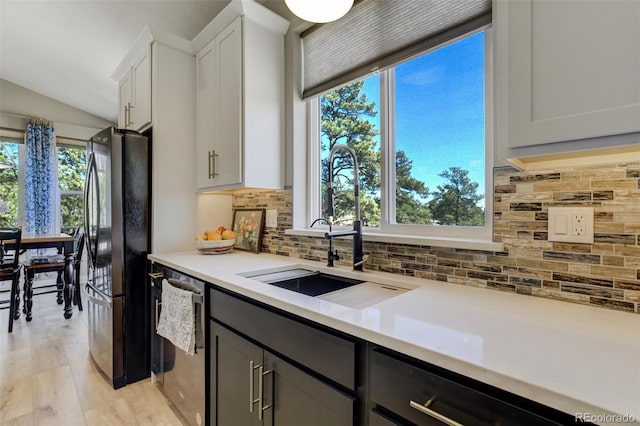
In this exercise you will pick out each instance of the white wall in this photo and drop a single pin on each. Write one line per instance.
(21, 102)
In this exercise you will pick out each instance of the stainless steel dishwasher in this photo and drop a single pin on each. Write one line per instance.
(180, 377)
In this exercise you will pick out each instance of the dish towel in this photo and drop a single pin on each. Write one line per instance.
(197, 306)
(177, 317)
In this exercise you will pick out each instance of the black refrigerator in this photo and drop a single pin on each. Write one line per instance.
(117, 228)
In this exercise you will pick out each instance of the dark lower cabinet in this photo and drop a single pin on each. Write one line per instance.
(252, 386)
(233, 379)
(268, 367)
(300, 399)
(402, 392)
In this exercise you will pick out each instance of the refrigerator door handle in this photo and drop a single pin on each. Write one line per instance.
(91, 242)
(102, 300)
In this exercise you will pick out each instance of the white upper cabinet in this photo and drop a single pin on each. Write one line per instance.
(219, 109)
(157, 79)
(135, 93)
(240, 99)
(566, 70)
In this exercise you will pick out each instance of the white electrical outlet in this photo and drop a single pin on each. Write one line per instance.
(571, 224)
(579, 225)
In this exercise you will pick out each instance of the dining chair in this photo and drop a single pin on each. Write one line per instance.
(53, 263)
(10, 239)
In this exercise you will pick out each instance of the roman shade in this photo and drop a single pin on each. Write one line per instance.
(377, 34)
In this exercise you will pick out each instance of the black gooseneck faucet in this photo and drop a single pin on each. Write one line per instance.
(356, 232)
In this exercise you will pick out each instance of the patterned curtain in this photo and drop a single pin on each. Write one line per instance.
(40, 179)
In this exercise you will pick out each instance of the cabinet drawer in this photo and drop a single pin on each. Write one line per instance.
(395, 384)
(325, 353)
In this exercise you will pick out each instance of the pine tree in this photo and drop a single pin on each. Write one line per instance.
(343, 122)
(456, 201)
(344, 115)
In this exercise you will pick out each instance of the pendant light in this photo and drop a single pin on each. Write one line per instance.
(319, 11)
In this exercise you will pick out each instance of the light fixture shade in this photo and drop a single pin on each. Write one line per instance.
(319, 11)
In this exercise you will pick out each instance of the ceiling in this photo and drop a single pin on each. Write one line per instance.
(68, 49)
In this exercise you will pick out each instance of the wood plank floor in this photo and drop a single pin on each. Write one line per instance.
(47, 377)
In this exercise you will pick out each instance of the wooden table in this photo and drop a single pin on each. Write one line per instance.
(65, 245)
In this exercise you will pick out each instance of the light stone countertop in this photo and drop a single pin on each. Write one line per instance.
(575, 358)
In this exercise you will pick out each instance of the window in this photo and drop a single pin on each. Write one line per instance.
(71, 175)
(9, 182)
(420, 134)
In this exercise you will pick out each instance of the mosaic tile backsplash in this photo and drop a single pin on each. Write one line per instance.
(605, 273)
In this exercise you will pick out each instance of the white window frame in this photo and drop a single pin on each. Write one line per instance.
(446, 236)
(59, 192)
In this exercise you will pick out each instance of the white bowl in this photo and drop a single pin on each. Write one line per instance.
(214, 246)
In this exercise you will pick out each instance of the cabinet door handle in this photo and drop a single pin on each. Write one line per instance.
(129, 120)
(126, 116)
(252, 400)
(158, 303)
(212, 164)
(429, 412)
(263, 408)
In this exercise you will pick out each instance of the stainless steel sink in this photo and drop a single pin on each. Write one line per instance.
(311, 283)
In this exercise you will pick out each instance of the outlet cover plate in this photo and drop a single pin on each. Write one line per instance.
(571, 224)
(272, 218)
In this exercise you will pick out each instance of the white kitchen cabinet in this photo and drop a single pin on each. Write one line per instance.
(219, 109)
(135, 93)
(240, 100)
(565, 71)
(165, 63)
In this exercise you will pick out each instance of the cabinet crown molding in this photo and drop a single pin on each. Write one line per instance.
(251, 10)
(148, 35)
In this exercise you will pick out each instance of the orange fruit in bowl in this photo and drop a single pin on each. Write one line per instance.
(228, 235)
(213, 235)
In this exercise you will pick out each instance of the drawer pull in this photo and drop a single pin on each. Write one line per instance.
(429, 412)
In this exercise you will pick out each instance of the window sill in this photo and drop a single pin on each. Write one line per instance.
(460, 243)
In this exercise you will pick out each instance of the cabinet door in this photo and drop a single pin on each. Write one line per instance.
(125, 100)
(141, 111)
(572, 69)
(205, 126)
(293, 397)
(228, 96)
(234, 378)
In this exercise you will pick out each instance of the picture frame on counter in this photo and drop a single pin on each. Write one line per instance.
(248, 225)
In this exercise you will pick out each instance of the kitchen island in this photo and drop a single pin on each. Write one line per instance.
(577, 359)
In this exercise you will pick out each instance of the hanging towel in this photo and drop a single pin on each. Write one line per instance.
(198, 307)
(177, 318)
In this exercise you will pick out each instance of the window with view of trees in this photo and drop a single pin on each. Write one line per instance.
(419, 133)
(9, 155)
(71, 175)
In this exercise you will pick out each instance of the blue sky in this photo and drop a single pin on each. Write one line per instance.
(440, 119)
